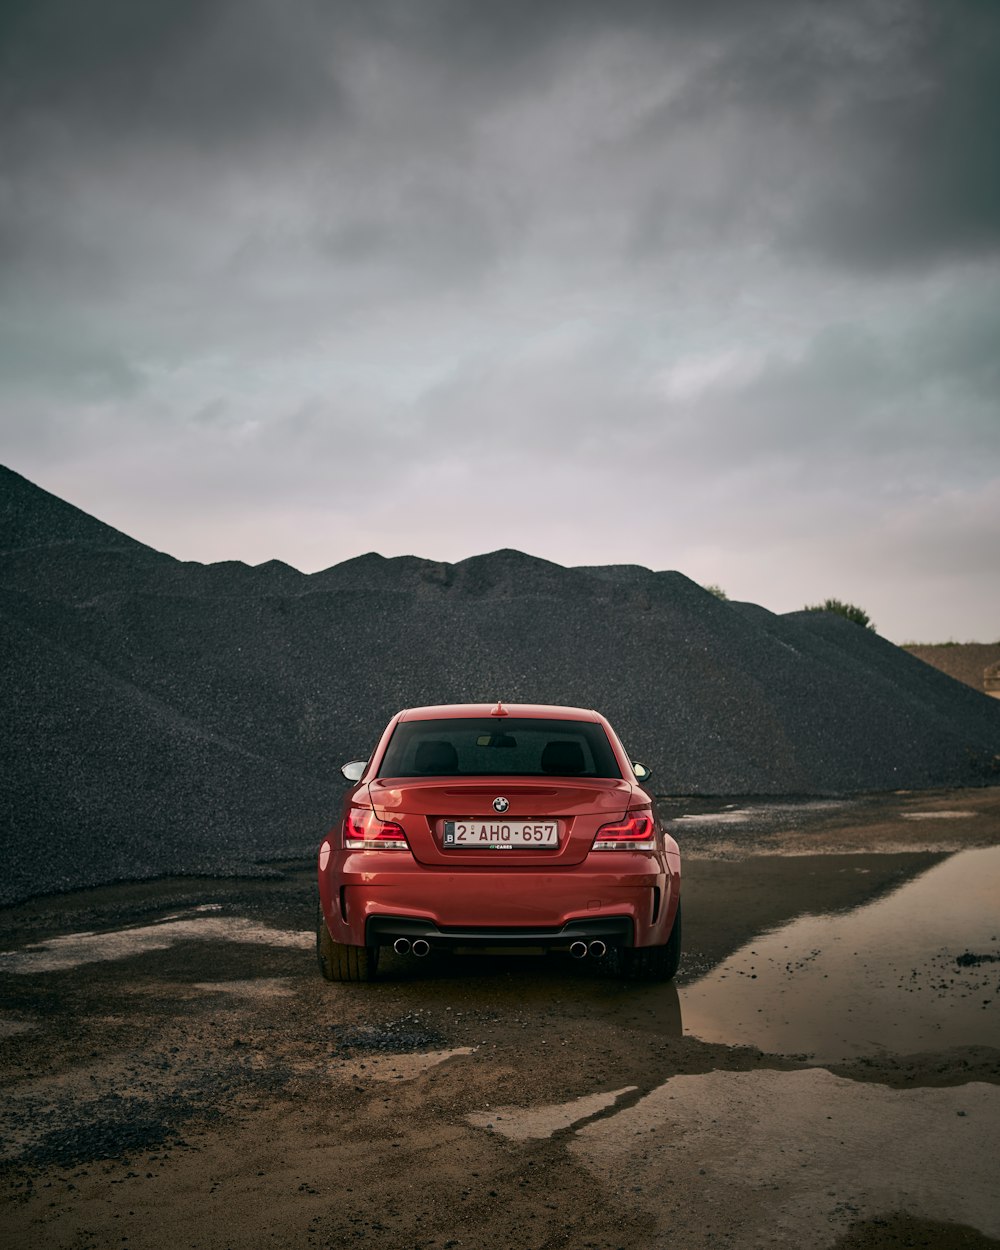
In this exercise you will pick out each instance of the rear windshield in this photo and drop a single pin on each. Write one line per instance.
(495, 747)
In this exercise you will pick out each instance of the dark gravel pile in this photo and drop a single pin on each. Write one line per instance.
(166, 717)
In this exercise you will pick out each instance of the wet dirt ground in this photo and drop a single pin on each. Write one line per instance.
(824, 1072)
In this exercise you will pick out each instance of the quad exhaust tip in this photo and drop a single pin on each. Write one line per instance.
(401, 946)
(420, 947)
(578, 950)
(596, 949)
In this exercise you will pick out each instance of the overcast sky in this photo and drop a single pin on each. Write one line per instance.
(707, 286)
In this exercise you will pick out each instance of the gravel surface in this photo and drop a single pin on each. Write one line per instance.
(167, 717)
(216, 1093)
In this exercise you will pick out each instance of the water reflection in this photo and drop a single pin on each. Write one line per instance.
(794, 1159)
(888, 976)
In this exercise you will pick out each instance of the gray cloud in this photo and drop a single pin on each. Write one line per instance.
(861, 133)
(185, 72)
(323, 270)
(858, 132)
(919, 171)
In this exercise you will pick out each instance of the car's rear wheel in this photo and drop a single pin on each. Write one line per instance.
(340, 962)
(655, 963)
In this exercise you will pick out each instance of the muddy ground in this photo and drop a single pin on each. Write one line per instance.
(176, 1073)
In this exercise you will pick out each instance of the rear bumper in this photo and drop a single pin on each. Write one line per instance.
(612, 930)
(375, 897)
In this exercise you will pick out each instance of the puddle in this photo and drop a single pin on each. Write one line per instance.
(792, 1159)
(937, 815)
(262, 987)
(777, 815)
(400, 1067)
(74, 949)
(888, 976)
(716, 818)
(522, 1123)
(188, 911)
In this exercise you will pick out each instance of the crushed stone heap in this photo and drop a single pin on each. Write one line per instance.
(165, 717)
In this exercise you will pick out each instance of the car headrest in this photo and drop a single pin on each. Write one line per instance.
(563, 757)
(436, 757)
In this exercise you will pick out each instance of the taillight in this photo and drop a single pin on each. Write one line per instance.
(635, 833)
(363, 831)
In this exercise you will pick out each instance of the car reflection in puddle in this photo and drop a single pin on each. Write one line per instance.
(917, 970)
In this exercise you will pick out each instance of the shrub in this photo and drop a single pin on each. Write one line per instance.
(716, 590)
(849, 610)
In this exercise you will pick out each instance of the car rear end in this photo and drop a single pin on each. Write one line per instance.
(476, 826)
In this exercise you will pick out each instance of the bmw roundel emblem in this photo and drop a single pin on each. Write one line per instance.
(500, 804)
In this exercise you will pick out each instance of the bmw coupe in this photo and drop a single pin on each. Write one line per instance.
(475, 826)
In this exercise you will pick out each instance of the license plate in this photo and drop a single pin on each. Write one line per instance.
(501, 835)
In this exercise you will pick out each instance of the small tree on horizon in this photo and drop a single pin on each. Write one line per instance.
(716, 590)
(849, 610)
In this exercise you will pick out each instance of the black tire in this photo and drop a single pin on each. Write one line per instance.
(655, 963)
(339, 962)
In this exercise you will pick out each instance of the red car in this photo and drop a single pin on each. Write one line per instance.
(517, 825)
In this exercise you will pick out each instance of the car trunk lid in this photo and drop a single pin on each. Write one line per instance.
(424, 806)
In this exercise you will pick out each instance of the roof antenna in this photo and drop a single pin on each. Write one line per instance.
(499, 710)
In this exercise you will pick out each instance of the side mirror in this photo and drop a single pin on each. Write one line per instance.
(355, 770)
(642, 773)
